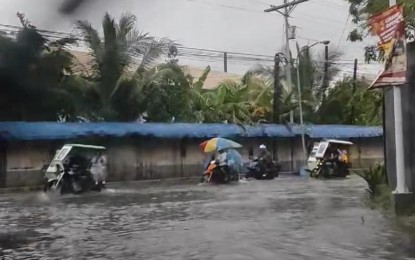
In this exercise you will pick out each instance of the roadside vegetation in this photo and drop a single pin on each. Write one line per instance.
(380, 197)
(379, 193)
(131, 75)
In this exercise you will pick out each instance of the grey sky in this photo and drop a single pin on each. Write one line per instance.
(229, 25)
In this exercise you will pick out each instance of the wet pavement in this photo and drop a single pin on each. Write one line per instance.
(288, 218)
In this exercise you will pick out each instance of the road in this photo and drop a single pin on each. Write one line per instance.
(288, 218)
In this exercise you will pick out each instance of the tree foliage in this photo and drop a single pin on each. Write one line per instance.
(125, 80)
(35, 76)
(350, 102)
(361, 10)
(120, 59)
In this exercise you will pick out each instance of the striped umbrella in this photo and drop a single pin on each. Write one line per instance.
(216, 144)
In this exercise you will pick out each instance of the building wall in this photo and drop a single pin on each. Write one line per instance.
(367, 152)
(148, 158)
(25, 161)
(3, 164)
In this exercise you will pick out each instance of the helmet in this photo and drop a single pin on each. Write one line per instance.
(262, 146)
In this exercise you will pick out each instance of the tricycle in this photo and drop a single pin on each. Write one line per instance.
(76, 168)
(329, 159)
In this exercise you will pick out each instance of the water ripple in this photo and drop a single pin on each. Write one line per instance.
(289, 218)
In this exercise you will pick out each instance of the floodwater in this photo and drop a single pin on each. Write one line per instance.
(288, 218)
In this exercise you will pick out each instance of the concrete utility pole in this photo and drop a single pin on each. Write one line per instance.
(288, 7)
(276, 109)
(225, 62)
(326, 72)
(401, 186)
(354, 87)
(300, 102)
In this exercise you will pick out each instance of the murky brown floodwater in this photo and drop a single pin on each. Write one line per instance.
(289, 218)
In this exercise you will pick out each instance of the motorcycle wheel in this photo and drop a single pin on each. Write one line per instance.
(250, 174)
(315, 173)
(325, 173)
(203, 179)
(48, 186)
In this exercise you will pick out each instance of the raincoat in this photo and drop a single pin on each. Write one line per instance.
(99, 168)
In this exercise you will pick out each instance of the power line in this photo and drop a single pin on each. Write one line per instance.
(319, 17)
(343, 32)
(198, 54)
(328, 4)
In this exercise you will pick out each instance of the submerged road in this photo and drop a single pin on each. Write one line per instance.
(288, 218)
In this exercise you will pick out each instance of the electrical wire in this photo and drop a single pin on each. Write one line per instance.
(343, 32)
(191, 53)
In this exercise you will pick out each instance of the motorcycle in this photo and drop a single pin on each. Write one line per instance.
(69, 171)
(329, 169)
(219, 174)
(257, 169)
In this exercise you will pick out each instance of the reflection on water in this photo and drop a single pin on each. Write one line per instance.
(288, 218)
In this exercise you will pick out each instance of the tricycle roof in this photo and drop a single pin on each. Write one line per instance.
(334, 141)
(68, 148)
(86, 146)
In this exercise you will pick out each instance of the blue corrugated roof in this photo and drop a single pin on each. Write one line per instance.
(64, 131)
(343, 131)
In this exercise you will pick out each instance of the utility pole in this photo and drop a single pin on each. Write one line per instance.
(225, 62)
(276, 104)
(401, 186)
(288, 7)
(352, 112)
(276, 109)
(326, 72)
(354, 74)
(288, 53)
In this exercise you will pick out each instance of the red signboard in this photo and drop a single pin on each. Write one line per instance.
(389, 26)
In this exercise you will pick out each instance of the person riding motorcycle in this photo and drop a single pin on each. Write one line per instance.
(209, 170)
(222, 159)
(265, 157)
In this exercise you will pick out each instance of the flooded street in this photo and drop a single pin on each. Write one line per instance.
(289, 218)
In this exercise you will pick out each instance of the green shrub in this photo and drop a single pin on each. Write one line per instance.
(376, 178)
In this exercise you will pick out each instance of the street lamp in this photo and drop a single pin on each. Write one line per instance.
(297, 62)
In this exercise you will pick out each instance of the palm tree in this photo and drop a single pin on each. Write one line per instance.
(261, 82)
(343, 106)
(311, 79)
(120, 60)
(228, 103)
(37, 84)
(261, 95)
(166, 91)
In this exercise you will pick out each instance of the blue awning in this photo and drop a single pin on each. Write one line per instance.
(24, 131)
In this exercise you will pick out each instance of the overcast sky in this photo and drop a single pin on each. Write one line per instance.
(228, 25)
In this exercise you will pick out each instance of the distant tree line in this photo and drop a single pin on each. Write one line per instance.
(124, 81)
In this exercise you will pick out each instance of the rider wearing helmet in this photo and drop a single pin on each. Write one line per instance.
(265, 156)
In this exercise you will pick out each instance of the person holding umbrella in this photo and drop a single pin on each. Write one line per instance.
(221, 146)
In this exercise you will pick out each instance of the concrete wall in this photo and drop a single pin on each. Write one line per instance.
(146, 158)
(24, 162)
(367, 152)
(3, 164)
